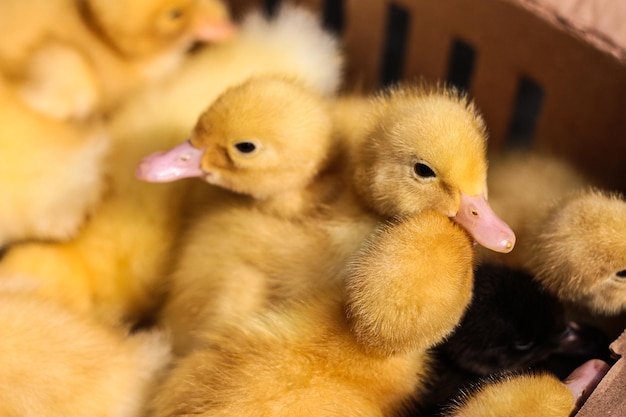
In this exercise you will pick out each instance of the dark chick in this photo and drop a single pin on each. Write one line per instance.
(511, 325)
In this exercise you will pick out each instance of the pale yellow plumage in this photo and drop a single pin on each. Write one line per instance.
(115, 266)
(57, 363)
(116, 47)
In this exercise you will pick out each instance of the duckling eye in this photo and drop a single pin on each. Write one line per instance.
(621, 274)
(175, 14)
(524, 345)
(423, 170)
(245, 147)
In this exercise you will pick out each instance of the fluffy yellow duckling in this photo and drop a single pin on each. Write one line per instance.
(57, 363)
(114, 267)
(267, 138)
(51, 173)
(579, 251)
(304, 358)
(118, 47)
(406, 150)
(269, 141)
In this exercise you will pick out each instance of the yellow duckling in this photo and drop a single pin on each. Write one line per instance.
(119, 47)
(304, 358)
(579, 252)
(520, 192)
(406, 149)
(269, 142)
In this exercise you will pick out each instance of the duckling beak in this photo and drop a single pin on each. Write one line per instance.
(182, 161)
(213, 31)
(584, 379)
(480, 221)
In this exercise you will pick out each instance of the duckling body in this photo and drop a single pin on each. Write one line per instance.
(268, 143)
(51, 175)
(325, 366)
(57, 363)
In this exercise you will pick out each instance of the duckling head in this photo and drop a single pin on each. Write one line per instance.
(267, 136)
(428, 151)
(144, 28)
(580, 251)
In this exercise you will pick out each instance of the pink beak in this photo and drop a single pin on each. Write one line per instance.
(584, 379)
(216, 31)
(182, 161)
(480, 221)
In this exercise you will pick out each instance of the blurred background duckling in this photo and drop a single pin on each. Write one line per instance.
(115, 266)
(52, 174)
(120, 46)
(522, 187)
(570, 233)
(580, 252)
(55, 362)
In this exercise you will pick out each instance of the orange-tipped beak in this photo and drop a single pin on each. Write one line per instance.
(480, 221)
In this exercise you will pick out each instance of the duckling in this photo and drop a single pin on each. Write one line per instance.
(579, 253)
(114, 267)
(51, 175)
(57, 363)
(518, 190)
(119, 48)
(269, 142)
(412, 137)
(266, 138)
(500, 332)
(306, 357)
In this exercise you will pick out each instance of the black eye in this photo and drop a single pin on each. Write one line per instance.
(524, 345)
(175, 14)
(424, 170)
(621, 274)
(245, 147)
